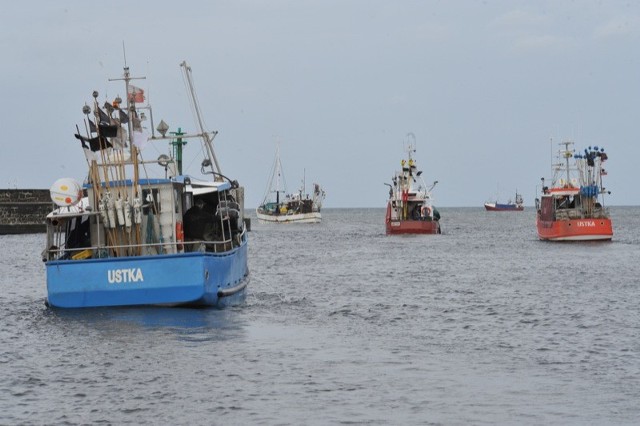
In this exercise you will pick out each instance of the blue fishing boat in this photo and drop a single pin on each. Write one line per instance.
(125, 237)
(496, 206)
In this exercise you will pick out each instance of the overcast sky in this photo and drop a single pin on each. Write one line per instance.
(483, 85)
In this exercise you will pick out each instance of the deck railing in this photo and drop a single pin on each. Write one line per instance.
(134, 250)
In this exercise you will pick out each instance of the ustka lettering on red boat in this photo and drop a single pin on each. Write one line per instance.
(128, 275)
(586, 224)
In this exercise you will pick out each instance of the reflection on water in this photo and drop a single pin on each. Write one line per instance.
(186, 323)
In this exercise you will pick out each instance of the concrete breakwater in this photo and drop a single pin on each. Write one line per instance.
(23, 211)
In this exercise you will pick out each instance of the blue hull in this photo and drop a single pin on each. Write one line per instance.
(496, 207)
(507, 207)
(205, 279)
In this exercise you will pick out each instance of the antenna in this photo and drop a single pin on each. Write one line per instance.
(124, 53)
(551, 154)
(411, 141)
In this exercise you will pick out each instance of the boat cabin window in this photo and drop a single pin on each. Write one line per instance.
(562, 202)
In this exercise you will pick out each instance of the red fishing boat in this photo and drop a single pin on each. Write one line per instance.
(572, 208)
(410, 207)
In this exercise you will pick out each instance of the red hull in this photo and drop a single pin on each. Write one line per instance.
(412, 227)
(575, 229)
(395, 227)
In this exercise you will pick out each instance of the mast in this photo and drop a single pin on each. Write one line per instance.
(277, 171)
(205, 136)
(123, 198)
(130, 105)
(563, 168)
(177, 145)
(567, 155)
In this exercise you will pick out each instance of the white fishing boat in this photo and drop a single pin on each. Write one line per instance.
(279, 206)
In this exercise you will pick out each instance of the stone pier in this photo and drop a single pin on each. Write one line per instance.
(23, 211)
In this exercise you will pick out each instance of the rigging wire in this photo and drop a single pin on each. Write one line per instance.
(193, 102)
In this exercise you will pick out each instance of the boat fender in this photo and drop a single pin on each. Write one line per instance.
(103, 212)
(111, 213)
(179, 235)
(137, 210)
(120, 211)
(127, 213)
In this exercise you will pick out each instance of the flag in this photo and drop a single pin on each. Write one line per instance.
(92, 127)
(95, 144)
(120, 140)
(140, 139)
(88, 154)
(137, 124)
(124, 118)
(108, 130)
(103, 116)
(108, 107)
(136, 94)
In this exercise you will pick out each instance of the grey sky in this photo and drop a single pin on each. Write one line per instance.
(483, 85)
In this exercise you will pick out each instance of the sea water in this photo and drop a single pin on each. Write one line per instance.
(483, 324)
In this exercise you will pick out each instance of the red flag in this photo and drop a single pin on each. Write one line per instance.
(136, 94)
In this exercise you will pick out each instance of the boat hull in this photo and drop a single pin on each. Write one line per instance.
(196, 278)
(313, 217)
(497, 207)
(395, 227)
(575, 230)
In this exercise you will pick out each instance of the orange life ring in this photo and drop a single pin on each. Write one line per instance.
(426, 211)
(179, 235)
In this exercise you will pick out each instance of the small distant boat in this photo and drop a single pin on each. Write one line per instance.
(140, 232)
(280, 207)
(410, 208)
(496, 206)
(572, 207)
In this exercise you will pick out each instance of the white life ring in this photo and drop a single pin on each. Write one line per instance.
(425, 211)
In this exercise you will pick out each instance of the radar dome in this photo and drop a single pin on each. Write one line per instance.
(66, 192)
